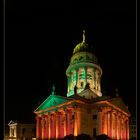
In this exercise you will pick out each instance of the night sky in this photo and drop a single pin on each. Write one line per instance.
(40, 42)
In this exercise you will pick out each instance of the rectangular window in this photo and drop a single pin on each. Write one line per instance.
(94, 117)
(94, 132)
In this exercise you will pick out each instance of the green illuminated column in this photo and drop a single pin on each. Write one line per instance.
(68, 83)
(85, 76)
(76, 76)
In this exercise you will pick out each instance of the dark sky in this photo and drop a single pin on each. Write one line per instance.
(39, 44)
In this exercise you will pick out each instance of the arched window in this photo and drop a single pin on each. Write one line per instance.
(82, 84)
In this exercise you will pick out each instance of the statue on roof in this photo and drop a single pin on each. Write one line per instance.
(84, 36)
(117, 92)
(53, 89)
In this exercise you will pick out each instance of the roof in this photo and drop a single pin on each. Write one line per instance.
(52, 100)
(55, 100)
(119, 103)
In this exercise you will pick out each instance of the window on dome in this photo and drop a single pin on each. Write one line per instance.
(89, 76)
(82, 84)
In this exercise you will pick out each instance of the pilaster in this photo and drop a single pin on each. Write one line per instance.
(100, 115)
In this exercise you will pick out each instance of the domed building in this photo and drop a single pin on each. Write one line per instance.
(84, 110)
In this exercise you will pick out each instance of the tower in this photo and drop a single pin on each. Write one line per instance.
(84, 71)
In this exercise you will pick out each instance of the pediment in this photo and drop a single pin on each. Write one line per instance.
(11, 122)
(52, 100)
(89, 94)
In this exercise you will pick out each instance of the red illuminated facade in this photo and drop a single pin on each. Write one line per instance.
(84, 110)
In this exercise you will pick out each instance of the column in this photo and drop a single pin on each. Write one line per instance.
(69, 82)
(75, 122)
(78, 121)
(127, 130)
(57, 127)
(120, 126)
(45, 127)
(71, 122)
(61, 125)
(116, 125)
(110, 124)
(76, 76)
(122, 129)
(85, 69)
(38, 127)
(53, 130)
(49, 126)
(105, 122)
(68, 123)
(42, 127)
(68, 78)
(94, 78)
(99, 84)
(64, 122)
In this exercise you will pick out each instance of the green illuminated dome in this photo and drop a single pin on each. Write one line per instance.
(81, 47)
(83, 53)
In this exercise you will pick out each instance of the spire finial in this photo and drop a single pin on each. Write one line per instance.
(84, 36)
(53, 89)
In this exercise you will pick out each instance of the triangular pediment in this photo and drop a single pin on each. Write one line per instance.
(87, 93)
(11, 122)
(52, 100)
